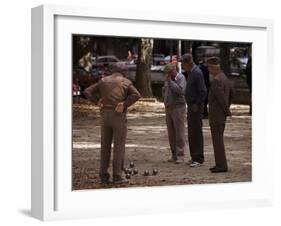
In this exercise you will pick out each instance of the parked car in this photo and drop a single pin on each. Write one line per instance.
(243, 62)
(157, 67)
(158, 59)
(202, 53)
(239, 57)
(132, 64)
(168, 59)
(84, 79)
(104, 61)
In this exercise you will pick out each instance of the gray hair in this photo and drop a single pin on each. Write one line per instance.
(121, 68)
(169, 67)
(187, 58)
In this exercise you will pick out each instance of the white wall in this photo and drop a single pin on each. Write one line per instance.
(15, 111)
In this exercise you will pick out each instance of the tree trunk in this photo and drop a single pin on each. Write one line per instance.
(143, 73)
(225, 57)
(79, 49)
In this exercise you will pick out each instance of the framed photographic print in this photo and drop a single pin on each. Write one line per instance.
(125, 115)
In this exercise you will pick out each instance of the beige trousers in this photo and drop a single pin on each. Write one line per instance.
(113, 128)
(175, 119)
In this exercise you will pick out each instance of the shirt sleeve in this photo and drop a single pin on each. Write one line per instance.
(92, 92)
(133, 96)
(201, 87)
(231, 94)
(217, 89)
(178, 87)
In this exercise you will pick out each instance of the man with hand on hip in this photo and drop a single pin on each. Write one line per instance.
(116, 94)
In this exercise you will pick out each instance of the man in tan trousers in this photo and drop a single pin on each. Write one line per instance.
(220, 97)
(116, 94)
(175, 108)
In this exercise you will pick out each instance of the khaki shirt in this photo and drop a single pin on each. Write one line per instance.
(112, 90)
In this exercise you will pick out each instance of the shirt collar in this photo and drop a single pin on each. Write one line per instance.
(194, 66)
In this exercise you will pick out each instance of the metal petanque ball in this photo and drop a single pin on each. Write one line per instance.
(135, 171)
(155, 171)
(128, 176)
(132, 165)
(146, 173)
(129, 171)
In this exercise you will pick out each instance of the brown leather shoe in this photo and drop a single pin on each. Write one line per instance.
(105, 179)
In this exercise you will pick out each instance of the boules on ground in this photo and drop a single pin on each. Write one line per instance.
(135, 171)
(130, 171)
(132, 165)
(146, 173)
(155, 171)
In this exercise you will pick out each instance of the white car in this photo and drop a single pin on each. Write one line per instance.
(104, 61)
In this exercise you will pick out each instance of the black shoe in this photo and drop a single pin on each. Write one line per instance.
(104, 179)
(120, 181)
(212, 168)
(218, 170)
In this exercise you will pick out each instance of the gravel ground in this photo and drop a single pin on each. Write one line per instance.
(147, 146)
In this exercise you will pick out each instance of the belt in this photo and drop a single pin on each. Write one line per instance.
(175, 105)
(108, 107)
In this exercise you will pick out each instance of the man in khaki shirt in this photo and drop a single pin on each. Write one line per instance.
(220, 96)
(115, 94)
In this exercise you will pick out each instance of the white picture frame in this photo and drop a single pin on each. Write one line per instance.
(52, 197)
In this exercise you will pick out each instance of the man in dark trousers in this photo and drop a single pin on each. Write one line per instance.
(220, 96)
(116, 94)
(195, 96)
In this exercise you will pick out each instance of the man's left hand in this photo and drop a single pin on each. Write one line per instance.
(99, 104)
(120, 107)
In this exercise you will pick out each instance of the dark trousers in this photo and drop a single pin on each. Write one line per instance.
(218, 144)
(206, 112)
(195, 134)
(113, 127)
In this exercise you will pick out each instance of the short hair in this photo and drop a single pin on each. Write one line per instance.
(187, 58)
(169, 67)
(120, 67)
(214, 60)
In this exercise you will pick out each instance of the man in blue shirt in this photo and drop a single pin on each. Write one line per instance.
(195, 95)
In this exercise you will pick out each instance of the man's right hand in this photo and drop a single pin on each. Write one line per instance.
(99, 104)
(120, 107)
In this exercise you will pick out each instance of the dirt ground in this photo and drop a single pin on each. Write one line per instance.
(147, 146)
